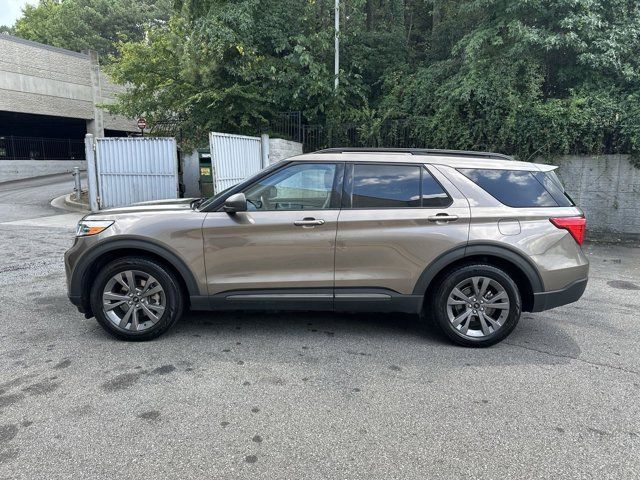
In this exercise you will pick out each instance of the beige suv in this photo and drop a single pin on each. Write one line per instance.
(466, 239)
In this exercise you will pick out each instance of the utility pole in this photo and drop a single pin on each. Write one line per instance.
(336, 63)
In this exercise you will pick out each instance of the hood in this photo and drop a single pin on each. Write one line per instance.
(151, 206)
(167, 201)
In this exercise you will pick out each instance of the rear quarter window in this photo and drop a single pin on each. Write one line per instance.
(516, 188)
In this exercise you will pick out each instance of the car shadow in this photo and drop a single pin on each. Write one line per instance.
(376, 337)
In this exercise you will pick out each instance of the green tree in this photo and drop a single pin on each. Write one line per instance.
(232, 65)
(531, 78)
(90, 24)
(540, 77)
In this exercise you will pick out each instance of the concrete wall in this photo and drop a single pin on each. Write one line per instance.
(21, 169)
(607, 188)
(44, 80)
(280, 149)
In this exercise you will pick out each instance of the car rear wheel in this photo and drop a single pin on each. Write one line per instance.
(477, 305)
(136, 298)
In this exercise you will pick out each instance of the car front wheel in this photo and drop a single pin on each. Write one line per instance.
(477, 305)
(136, 298)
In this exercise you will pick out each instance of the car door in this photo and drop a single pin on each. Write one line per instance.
(282, 249)
(396, 219)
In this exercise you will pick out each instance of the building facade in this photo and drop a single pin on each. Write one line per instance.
(49, 99)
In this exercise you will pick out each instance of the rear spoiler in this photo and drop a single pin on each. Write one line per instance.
(543, 167)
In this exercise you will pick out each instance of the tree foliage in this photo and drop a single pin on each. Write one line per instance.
(90, 24)
(527, 77)
(536, 77)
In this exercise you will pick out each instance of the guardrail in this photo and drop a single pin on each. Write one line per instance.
(40, 148)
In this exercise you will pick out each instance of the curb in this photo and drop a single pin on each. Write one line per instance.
(65, 202)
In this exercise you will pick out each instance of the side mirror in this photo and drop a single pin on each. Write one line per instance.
(235, 203)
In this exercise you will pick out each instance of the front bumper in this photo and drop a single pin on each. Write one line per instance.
(77, 301)
(548, 300)
(75, 292)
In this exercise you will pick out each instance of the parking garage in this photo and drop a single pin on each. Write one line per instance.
(49, 99)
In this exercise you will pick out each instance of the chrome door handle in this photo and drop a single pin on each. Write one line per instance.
(308, 222)
(443, 217)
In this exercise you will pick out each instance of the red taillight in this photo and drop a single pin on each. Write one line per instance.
(575, 225)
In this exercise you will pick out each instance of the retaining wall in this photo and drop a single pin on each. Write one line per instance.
(280, 149)
(607, 188)
(21, 169)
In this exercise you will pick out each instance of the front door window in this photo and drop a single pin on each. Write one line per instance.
(307, 186)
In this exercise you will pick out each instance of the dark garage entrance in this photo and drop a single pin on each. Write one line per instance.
(41, 137)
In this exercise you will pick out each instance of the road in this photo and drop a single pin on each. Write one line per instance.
(297, 395)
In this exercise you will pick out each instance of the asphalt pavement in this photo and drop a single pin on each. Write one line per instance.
(300, 395)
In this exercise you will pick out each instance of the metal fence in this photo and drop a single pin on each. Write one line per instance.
(289, 125)
(234, 158)
(37, 148)
(292, 126)
(399, 133)
(132, 170)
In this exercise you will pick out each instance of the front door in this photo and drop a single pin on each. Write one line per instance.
(282, 248)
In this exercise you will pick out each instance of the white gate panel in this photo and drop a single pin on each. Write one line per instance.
(132, 170)
(233, 158)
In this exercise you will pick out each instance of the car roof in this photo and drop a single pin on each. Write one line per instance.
(451, 158)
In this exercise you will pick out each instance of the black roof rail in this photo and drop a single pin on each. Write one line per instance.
(419, 151)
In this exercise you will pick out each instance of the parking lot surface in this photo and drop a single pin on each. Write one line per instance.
(299, 395)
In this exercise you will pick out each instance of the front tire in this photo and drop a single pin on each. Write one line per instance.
(136, 299)
(476, 305)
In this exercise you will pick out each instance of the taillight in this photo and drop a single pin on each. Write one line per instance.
(575, 225)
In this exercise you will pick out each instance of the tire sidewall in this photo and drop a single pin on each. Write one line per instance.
(167, 280)
(454, 278)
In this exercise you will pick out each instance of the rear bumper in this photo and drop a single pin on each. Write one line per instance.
(548, 300)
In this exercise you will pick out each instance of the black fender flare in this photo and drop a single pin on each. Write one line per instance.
(77, 281)
(480, 248)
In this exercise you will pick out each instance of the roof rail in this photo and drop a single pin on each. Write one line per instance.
(420, 151)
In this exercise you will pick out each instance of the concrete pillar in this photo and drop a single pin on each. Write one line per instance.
(95, 126)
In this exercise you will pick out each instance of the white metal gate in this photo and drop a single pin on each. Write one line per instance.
(132, 170)
(235, 157)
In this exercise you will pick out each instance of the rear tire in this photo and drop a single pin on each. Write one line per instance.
(136, 298)
(476, 305)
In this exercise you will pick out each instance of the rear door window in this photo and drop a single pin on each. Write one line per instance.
(384, 186)
(516, 188)
(396, 186)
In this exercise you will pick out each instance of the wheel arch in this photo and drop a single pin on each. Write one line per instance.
(89, 265)
(523, 272)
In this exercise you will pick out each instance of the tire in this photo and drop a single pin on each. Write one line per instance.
(145, 313)
(481, 325)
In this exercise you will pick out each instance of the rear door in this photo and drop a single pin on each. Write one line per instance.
(396, 219)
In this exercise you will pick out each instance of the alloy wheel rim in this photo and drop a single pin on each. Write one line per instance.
(133, 300)
(478, 306)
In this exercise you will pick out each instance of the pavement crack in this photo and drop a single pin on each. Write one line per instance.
(581, 360)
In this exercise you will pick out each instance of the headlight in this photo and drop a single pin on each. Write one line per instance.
(92, 227)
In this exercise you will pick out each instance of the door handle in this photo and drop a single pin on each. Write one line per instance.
(443, 217)
(308, 222)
